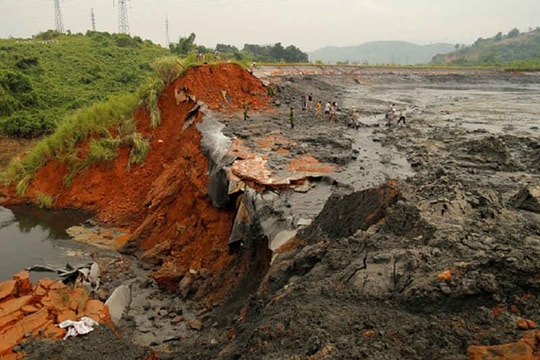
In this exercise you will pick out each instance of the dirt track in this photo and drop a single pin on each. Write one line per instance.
(422, 250)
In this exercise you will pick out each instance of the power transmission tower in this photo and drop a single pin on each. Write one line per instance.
(93, 19)
(167, 38)
(58, 17)
(123, 24)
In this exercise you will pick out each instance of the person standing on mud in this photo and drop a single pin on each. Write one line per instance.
(246, 107)
(291, 118)
(327, 109)
(393, 112)
(402, 118)
(318, 109)
(388, 119)
(333, 112)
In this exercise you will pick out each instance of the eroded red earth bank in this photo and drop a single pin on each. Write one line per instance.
(164, 201)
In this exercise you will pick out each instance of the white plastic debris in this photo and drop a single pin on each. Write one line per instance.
(81, 327)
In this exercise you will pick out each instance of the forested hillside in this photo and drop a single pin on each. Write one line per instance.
(43, 78)
(380, 52)
(513, 50)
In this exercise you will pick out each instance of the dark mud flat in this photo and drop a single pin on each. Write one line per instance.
(429, 243)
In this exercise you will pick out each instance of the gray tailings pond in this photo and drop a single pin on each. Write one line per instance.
(33, 236)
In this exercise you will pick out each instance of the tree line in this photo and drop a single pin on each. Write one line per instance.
(186, 46)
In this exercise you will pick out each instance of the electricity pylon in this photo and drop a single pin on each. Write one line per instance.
(93, 19)
(123, 24)
(58, 17)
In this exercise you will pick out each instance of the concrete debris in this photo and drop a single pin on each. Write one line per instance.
(118, 302)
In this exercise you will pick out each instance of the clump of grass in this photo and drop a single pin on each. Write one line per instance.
(22, 185)
(12, 171)
(126, 127)
(168, 68)
(139, 150)
(44, 200)
(103, 150)
(155, 88)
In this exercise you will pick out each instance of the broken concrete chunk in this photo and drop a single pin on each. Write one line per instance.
(118, 302)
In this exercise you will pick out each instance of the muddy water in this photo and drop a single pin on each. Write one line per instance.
(30, 236)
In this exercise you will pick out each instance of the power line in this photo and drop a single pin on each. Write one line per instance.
(58, 17)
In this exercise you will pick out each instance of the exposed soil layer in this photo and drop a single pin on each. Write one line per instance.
(407, 242)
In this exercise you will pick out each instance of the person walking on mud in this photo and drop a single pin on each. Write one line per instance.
(291, 118)
(246, 107)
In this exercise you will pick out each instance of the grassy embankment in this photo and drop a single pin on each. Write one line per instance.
(49, 76)
(107, 124)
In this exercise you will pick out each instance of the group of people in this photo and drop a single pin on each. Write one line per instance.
(331, 109)
(201, 57)
(392, 114)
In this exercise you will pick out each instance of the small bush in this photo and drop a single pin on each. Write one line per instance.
(26, 124)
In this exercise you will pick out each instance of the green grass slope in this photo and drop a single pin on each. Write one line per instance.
(513, 50)
(44, 78)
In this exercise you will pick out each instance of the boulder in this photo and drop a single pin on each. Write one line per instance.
(528, 198)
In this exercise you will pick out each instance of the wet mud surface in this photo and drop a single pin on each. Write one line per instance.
(407, 242)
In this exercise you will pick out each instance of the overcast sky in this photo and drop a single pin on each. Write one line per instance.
(308, 24)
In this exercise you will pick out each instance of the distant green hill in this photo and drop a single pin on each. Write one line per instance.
(380, 52)
(43, 78)
(514, 49)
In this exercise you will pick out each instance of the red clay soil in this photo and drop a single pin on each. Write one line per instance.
(27, 309)
(164, 201)
(225, 87)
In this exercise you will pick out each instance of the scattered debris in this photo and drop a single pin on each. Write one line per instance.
(75, 328)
